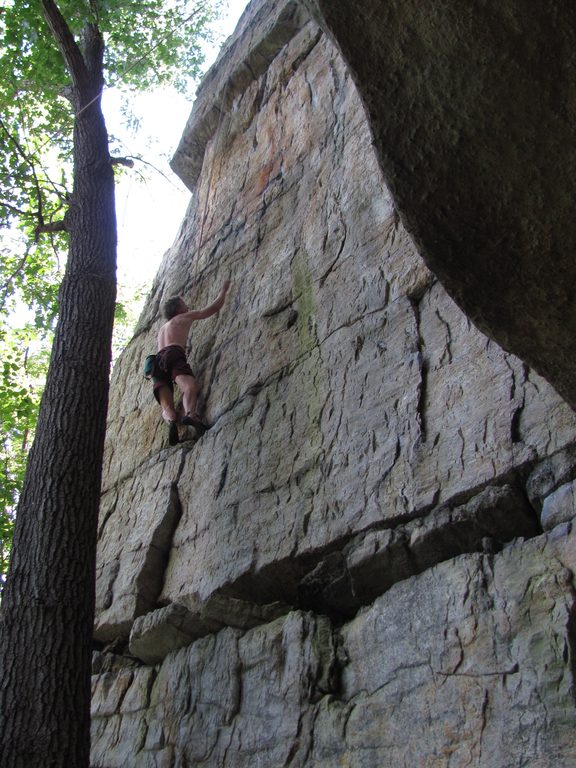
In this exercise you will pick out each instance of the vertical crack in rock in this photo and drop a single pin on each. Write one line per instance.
(515, 422)
(423, 368)
(447, 354)
(150, 579)
(341, 230)
(208, 377)
(106, 517)
(223, 476)
(106, 585)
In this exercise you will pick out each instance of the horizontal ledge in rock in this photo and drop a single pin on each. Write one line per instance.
(175, 626)
(549, 474)
(373, 561)
(347, 575)
(342, 577)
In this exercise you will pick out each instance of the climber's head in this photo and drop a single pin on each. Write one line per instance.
(174, 306)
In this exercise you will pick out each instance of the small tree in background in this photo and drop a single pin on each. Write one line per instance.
(56, 60)
(24, 356)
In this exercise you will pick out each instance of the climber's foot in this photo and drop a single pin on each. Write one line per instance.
(194, 421)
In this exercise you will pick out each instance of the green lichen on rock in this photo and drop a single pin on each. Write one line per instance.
(304, 293)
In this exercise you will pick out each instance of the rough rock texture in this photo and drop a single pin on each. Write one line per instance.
(462, 665)
(472, 106)
(356, 543)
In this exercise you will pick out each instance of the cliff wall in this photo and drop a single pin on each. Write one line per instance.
(368, 560)
(472, 107)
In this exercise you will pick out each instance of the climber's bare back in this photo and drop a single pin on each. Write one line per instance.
(175, 331)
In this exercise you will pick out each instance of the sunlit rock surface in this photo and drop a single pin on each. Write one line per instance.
(349, 567)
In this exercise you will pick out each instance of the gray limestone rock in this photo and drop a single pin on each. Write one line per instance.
(372, 562)
(560, 506)
(159, 632)
(472, 655)
(549, 474)
(473, 131)
(475, 655)
(373, 459)
(228, 699)
(137, 521)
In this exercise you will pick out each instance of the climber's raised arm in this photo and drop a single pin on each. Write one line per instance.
(211, 309)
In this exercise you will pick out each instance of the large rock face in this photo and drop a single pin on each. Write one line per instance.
(472, 106)
(376, 532)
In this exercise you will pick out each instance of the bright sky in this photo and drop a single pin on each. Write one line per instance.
(149, 213)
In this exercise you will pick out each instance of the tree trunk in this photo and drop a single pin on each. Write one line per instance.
(47, 616)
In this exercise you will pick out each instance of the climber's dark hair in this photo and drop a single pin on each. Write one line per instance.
(172, 307)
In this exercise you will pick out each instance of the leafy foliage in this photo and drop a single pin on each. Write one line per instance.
(24, 356)
(128, 307)
(24, 360)
(147, 44)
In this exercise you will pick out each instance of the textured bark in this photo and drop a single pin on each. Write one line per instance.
(47, 611)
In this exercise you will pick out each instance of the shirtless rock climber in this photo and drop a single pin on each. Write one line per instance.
(171, 364)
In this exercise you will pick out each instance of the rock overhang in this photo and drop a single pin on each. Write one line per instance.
(263, 31)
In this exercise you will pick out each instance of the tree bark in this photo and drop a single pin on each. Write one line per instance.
(47, 615)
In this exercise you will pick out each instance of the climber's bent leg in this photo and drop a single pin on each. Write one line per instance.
(165, 397)
(190, 391)
(189, 388)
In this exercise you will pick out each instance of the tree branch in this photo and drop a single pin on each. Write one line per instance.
(5, 287)
(127, 161)
(51, 226)
(28, 159)
(68, 46)
(19, 211)
(158, 170)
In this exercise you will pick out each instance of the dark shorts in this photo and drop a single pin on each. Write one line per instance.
(170, 362)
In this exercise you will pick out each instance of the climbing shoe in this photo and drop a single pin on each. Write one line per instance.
(192, 421)
(173, 432)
